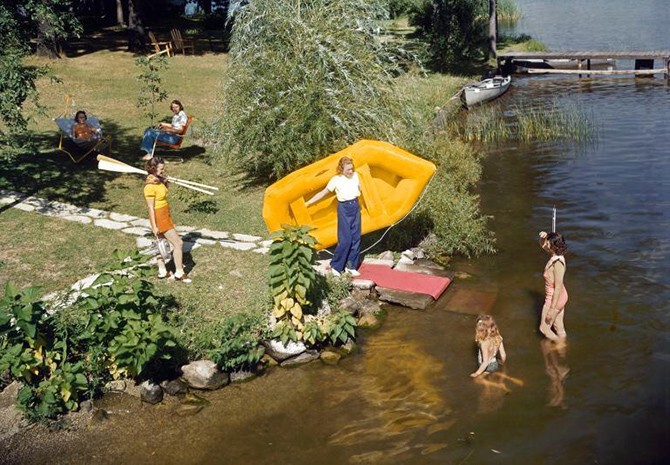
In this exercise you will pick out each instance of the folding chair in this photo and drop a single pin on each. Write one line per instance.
(78, 149)
(180, 43)
(160, 47)
(158, 144)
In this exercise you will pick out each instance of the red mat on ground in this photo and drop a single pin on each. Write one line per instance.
(385, 276)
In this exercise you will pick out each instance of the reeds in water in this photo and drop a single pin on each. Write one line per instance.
(525, 122)
(508, 11)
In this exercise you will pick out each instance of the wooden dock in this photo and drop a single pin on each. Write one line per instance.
(644, 61)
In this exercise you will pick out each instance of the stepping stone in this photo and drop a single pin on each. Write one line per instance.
(201, 241)
(78, 219)
(181, 229)
(261, 250)
(210, 233)
(109, 224)
(121, 217)
(25, 207)
(237, 245)
(470, 301)
(267, 243)
(92, 212)
(142, 222)
(246, 237)
(137, 231)
(143, 242)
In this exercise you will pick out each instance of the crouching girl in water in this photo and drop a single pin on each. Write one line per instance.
(491, 349)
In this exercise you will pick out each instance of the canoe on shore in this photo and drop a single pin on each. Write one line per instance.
(392, 180)
(485, 90)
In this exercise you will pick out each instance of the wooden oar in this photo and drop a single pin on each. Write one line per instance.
(110, 164)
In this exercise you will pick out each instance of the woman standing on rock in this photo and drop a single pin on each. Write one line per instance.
(556, 295)
(347, 188)
(155, 193)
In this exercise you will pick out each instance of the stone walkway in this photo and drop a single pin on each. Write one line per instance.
(133, 225)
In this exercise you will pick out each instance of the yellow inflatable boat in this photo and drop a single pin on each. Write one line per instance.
(392, 180)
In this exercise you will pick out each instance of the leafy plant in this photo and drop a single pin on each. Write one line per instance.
(340, 327)
(291, 277)
(237, 343)
(151, 90)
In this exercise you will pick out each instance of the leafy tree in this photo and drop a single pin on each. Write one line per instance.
(455, 29)
(306, 77)
(49, 21)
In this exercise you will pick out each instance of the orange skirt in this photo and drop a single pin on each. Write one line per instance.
(163, 220)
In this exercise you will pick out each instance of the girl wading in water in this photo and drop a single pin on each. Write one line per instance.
(491, 353)
(155, 193)
(347, 188)
(556, 295)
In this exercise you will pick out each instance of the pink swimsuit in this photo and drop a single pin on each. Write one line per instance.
(549, 287)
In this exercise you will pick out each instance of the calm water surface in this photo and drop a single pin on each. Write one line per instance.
(406, 398)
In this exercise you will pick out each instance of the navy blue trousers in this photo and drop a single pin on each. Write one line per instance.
(348, 236)
(150, 136)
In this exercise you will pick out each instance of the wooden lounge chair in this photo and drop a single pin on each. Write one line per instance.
(160, 47)
(160, 145)
(181, 44)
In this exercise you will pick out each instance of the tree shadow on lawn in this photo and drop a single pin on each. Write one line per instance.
(51, 174)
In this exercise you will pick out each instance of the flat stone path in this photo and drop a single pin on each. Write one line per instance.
(133, 225)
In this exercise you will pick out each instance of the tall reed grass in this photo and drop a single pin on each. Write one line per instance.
(525, 121)
(508, 11)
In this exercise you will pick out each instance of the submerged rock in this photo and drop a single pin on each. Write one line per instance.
(301, 359)
(413, 300)
(330, 357)
(241, 375)
(204, 374)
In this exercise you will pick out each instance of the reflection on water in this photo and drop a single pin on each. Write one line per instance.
(557, 369)
(400, 382)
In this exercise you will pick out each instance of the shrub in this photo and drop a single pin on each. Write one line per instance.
(305, 79)
(237, 342)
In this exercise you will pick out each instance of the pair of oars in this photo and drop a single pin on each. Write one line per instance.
(110, 164)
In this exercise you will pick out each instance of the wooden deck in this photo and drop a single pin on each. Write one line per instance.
(583, 61)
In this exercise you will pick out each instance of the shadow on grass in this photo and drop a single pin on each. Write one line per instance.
(52, 175)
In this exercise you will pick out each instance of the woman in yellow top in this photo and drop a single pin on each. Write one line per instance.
(155, 193)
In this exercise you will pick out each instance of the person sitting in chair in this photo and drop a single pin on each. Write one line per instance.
(82, 130)
(165, 132)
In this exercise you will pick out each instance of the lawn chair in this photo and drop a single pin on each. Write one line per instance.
(180, 44)
(160, 145)
(78, 149)
(160, 47)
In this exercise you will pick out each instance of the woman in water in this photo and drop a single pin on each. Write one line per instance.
(556, 295)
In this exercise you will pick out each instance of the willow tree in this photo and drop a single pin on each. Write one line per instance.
(306, 78)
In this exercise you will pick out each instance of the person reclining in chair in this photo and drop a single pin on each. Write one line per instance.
(165, 132)
(84, 131)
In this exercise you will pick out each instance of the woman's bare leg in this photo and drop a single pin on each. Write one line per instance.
(544, 327)
(559, 325)
(177, 252)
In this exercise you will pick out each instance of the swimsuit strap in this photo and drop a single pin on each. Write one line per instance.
(557, 258)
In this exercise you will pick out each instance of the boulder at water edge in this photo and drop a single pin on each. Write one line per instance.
(204, 374)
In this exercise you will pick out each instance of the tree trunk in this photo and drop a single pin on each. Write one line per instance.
(137, 39)
(493, 28)
(47, 45)
(119, 13)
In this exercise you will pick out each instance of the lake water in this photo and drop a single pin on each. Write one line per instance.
(406, 398)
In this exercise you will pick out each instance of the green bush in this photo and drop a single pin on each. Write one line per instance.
(237, 342)
(306, 78)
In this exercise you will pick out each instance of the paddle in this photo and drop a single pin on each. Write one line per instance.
(110, 164)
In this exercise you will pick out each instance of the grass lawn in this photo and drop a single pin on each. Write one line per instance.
(52, 253)
(104, 84)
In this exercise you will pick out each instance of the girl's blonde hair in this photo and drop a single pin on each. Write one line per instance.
(342, 163)
(486, 328)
